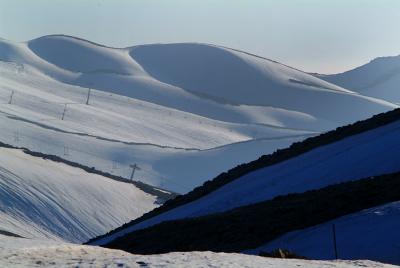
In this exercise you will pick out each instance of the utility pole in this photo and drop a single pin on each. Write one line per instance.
(134, 167)
(88, 97)
(114, 165)
(19, 68)
(334, 240)
(11, 97)
(65, 109)
(16, 136)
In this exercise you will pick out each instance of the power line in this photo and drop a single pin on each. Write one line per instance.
(66, 150)
(16, 136)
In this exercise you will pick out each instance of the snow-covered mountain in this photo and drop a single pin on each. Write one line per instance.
(45, 199)
(172, 109)
(182, 113)
(379, 78)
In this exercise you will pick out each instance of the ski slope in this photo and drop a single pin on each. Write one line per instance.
(171, 109)
(380, 78)
(48, 200)
(370, 153)
(115, 131)
(370, 234)
(17, 252)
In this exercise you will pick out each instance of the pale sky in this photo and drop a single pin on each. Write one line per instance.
(324, 36)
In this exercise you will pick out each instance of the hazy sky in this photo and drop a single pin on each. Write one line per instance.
(313, 35)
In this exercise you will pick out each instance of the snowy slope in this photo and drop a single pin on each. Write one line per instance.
(14, 252)
(42, 100)
(351, 158)
(379, 78)
(44, 199)
(369, 234)
(115, 131)
(164, 114)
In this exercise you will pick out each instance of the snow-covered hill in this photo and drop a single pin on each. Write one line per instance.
(115, 131)
(369, 234)
(379, 78)
(171, 109)
(366, 154)
(44, 199)
(17, 252)
(196, 78)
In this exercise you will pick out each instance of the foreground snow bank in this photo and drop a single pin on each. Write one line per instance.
(69, 255)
